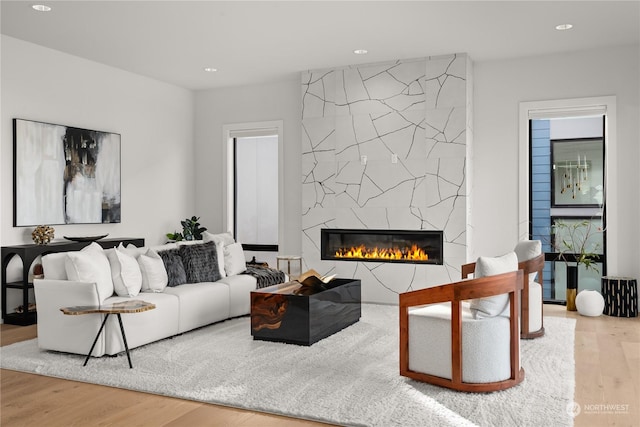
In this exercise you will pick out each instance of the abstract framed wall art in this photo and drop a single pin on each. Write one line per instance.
(64, 175)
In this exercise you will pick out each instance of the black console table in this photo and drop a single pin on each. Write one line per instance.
(28, 254)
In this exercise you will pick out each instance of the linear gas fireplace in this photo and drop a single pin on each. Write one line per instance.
(406, 246)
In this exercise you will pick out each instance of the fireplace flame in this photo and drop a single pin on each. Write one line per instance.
(414, 253)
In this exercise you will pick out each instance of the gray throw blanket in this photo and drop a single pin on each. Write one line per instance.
(265, 276)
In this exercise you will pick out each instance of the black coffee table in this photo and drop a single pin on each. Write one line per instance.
(295, 314)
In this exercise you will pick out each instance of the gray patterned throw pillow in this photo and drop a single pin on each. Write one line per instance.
(200, 262)
(173, 264)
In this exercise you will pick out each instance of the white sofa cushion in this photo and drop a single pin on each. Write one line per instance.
(90, 265)
(485, 344)
(154, 275)
(535, 312)
(145, 327)
(201, 304)
(234, 261)
(125, 272)
(489, 266)
(240, 287)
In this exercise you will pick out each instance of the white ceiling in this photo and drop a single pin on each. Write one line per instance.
(255, 42)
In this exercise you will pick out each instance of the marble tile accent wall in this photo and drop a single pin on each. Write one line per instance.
(417, 110)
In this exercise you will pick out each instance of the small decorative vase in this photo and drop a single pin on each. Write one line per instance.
(42, 234)
(572, 287)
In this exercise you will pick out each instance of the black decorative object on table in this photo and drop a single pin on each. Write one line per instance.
(86, 238)
(28, 253)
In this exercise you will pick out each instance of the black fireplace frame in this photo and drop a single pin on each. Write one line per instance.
(436, 235)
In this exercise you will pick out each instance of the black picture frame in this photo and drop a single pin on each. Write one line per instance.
(577, 172)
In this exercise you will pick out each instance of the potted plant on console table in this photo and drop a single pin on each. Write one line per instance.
(574, 243)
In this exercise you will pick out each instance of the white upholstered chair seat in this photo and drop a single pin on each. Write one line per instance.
(485, 344)
(535, 300)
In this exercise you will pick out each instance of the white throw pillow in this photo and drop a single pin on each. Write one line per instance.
(154, 275)
(489, 266)
(527, 250)
(90, 266)
(125, 272)
(53, 266)
(234, 262)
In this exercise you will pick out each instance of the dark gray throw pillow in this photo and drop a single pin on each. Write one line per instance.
(200, 262)
(173, 264)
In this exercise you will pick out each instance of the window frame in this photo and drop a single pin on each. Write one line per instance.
(230, 133)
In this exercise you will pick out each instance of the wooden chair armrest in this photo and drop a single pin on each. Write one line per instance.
(468, 269)
(464, 290)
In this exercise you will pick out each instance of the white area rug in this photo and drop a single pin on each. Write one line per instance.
(350, 378)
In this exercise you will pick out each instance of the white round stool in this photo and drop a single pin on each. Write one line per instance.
(590, 303)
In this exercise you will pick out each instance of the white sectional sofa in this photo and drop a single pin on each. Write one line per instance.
(79, 279)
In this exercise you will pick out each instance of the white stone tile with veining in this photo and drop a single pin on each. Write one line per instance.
(318, 184)
(445, 130)
(318, 93)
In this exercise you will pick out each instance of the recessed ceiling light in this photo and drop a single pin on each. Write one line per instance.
(360, 51)
(563, 27)
(210, 69)
(41, 8)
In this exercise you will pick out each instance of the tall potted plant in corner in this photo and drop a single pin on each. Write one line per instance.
(574, 244)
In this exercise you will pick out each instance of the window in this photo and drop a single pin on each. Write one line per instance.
(563, 191)
(254, 186)
(256, 192)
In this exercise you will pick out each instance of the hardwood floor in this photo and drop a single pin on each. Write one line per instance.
(607, 352)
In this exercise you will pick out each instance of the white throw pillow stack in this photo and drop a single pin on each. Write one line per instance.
(129, 270)
(489, 266)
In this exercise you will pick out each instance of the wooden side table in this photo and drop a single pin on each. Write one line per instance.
(133, 306)
(620, 296)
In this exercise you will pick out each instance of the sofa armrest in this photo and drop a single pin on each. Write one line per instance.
(60, 332)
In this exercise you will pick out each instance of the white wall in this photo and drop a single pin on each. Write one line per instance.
(259, 103)
(154, 119)
(500, 86)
